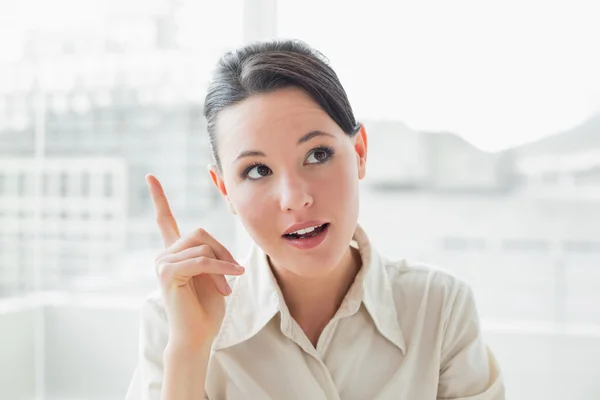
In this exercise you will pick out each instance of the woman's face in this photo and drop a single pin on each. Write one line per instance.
(287, 165)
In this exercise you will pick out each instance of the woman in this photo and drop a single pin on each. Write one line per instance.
(315, 312)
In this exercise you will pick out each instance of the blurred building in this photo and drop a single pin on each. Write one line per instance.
(397, 156)
(456, 165)
(530, 247)
(118, 102)
(527, 257)
(77, 213)
(401, 158)
(563, 165)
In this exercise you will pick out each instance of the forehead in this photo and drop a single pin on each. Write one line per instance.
(270, 118)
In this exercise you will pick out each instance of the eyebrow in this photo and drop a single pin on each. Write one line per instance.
(313, 134)
(250, 153)
(310, 135)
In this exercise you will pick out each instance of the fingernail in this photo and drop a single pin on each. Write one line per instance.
(239, 268)
(228, 290)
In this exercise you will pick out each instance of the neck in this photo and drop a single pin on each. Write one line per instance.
(314, 301)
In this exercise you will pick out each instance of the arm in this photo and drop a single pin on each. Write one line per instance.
(468, 368)
(185, 372)
(178, 326)
(163, 366)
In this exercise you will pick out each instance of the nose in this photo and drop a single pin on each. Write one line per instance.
(294, 194)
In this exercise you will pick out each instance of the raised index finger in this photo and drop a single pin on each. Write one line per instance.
(164, 217)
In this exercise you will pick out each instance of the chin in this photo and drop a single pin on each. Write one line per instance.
(311, 264)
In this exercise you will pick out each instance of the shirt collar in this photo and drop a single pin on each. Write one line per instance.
(256, 298)
(377, 294)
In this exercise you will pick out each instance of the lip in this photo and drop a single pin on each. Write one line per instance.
(303, 225)
(308, 243)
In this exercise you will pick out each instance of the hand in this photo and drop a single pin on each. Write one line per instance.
(191, 273)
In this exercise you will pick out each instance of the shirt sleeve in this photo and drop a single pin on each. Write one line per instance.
(146, 383)
(469, 370)
(147, 379)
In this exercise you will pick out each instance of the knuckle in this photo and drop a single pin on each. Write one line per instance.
(204, 251)
(200, 233)
(202, 260)
(159, 257)
(164, 271)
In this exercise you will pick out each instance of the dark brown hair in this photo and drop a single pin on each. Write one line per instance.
(267, 66)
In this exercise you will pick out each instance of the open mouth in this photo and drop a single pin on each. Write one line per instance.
(307, 233)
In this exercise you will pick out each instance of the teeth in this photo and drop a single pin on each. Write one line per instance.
(305, 231)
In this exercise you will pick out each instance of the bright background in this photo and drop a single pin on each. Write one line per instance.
(484, 127)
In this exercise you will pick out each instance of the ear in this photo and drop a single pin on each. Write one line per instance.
(217, 179)
(360, 146)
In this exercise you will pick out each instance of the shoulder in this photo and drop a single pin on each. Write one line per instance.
(429, 285)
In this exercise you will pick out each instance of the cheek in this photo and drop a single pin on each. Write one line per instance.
(338, 188)
(250, 205)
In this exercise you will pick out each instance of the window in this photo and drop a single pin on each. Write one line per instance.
(582, 246)
(463, 244)
(46, 184)
(522, 246)
(125, 82)
(108, 185)
(22, 184)
(85, 184)
(64, 184)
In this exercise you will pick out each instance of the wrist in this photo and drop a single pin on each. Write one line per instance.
(188, 348)
(185, 369)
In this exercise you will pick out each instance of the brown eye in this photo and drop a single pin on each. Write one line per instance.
(319, 155)
(258, 171)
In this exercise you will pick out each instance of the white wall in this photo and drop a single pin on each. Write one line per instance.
(90, 348)
(90, 351)
(16, 354)
(547, 365)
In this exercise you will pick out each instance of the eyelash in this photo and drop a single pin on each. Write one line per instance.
(328, 150)
(250, 167)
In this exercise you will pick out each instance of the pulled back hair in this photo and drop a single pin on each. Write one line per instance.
(264, 67)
